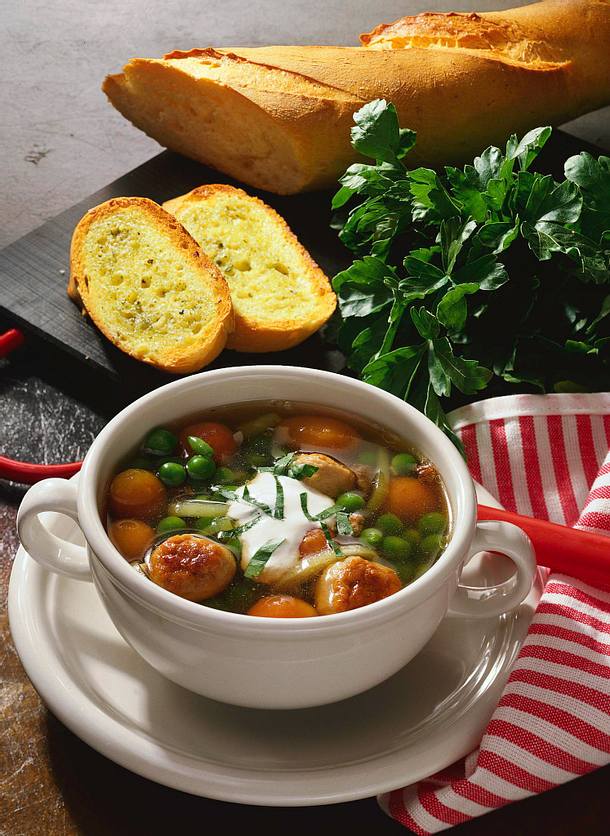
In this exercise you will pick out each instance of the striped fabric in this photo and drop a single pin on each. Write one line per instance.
(548, 457)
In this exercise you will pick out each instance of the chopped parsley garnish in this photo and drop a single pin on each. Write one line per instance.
(329, 539)
(302, 470)
(304, 508)
(344, 526)
(285, 467)
(278, 511)
(237, 532)
(245, 497)
(259, 559)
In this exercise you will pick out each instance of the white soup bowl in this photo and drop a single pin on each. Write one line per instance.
(266, 662)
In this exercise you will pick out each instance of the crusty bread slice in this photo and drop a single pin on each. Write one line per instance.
(148, 287)
(280, 295)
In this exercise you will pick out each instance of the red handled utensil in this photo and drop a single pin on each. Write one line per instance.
(28, 472)
(571, 551)
(10, 340)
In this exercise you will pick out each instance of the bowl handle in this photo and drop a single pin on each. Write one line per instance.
(51, 551)
(488, 601)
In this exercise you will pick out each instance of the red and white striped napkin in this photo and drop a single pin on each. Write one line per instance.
(546, 456)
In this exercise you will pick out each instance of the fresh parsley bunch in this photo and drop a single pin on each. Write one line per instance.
(488, 276)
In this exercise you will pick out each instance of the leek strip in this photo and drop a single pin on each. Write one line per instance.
(198, 508)
(382, 483)
(360, 550)
(309, 567)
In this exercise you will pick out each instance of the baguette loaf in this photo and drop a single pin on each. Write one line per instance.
(148, 287)
(279, 117)
(280, 296)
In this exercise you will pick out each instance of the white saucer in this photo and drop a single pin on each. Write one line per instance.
(424, 718)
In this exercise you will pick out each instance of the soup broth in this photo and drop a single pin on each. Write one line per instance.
(278, 509)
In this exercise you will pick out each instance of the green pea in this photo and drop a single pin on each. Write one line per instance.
(170, 524)
(200, 467)
(431, 544)
(413, 536)
(160, 442)
(389, 524)
(403, 464)
(350, 501)
(199, 446)
(172, 474)
(396, 548)
(433, 523)
(407, 572)
(372, 537)
(214, 526)
(368, 457)
(226, 476)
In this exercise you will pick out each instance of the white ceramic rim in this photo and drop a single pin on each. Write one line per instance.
(446, 457)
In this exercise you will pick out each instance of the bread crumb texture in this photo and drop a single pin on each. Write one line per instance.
(147, 286)
(279, 295)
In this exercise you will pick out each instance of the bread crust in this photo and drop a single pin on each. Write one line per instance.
(259, 335)
(178, 360)
(462, 82)
(502, 39)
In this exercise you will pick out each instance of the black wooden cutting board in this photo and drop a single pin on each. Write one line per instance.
(34, 272)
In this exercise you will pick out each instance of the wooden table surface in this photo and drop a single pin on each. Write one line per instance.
(60, 142)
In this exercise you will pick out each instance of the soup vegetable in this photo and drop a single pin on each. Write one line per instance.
(276, 510)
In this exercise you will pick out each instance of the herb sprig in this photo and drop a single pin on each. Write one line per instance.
(490, 276)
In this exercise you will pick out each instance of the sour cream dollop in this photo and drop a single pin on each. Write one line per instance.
(292, 528)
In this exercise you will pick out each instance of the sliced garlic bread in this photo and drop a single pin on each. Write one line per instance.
(280, 296)
(148, 287)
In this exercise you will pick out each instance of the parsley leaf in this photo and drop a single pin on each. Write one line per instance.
(593, 178)
(488, 276)
(376, 133)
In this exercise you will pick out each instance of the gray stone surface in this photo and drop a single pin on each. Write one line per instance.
(60, 140)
